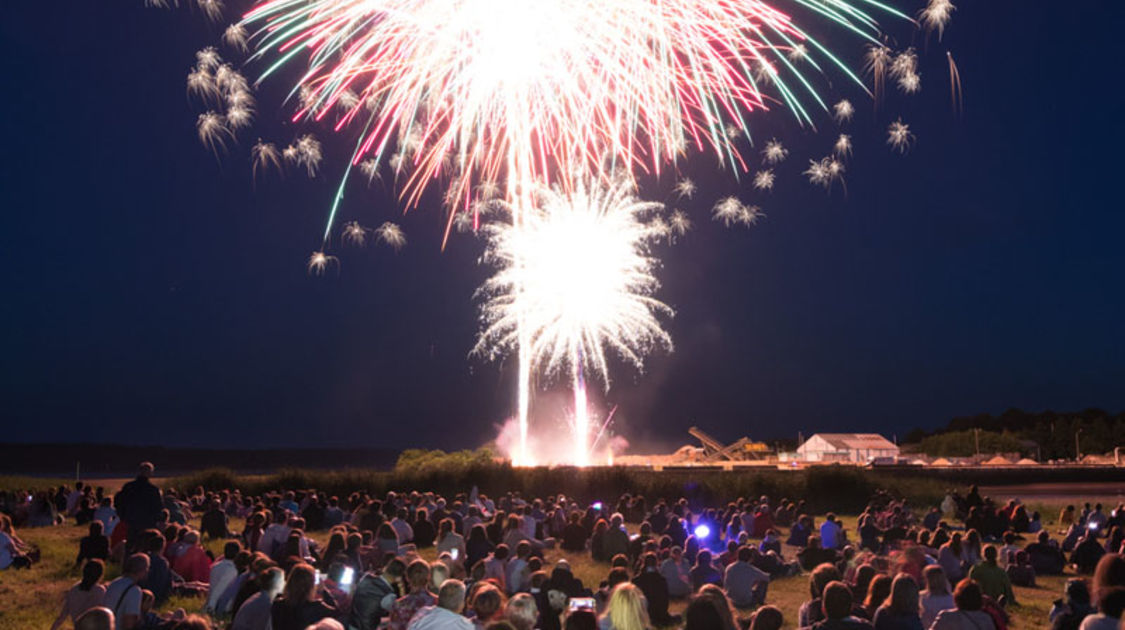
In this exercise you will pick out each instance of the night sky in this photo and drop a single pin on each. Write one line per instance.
(154, 296)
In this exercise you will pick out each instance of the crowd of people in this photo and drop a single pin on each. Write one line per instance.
(948, 567)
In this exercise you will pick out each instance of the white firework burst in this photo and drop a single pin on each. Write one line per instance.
(201, 83)
(213, 131)
(488, 189)
(729, 211)
(355, 234)
(236, 37)
(679, 223)
(910, 83)
(213, 9)
(370, 169)
(239, 117)
(825, 172)
(899, 136)
(307, 152)
(264, 156)
(764, 180)
(798, 53)
(463, 221)
(843, 146)
(936, 16)
(843, 111)
(208, 58)
(774, 153)
(685, 188)
(391, 234)
(319, 262)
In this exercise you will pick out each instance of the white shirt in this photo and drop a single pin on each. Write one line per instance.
(934, 604)
(438, 618)
(222, 574)
(123, 597)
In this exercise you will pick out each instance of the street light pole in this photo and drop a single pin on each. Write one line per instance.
(1077, 446)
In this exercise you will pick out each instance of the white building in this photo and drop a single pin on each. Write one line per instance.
(846, 447)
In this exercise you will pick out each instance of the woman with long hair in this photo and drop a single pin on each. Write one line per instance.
(721, 602)
(625, 610)
(937, 596)
(900, 610)
(877, 592)
(951, 557)
(84, 595)
(478, 546)
(299, 606)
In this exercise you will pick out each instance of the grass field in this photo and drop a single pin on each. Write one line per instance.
(31, 599)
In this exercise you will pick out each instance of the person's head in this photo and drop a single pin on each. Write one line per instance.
(820, 577)
(990, 554)
(327, 623)
(1077, 592)
(136, 567)
(146, 470)
(649, 561)
(522, 611)
(767, 618)
(581, 619)
(97, 618)
(92, 573)
(394, 570)
(904, 595)
(488, 603)
(96, 528)
(1109, 573)
(500, 552)
(701, 614)
(271, 581)
(967, 595)
(837, 600)
(745, 554)
(451, 596)
(936, 582)
(439, 573)
(1111, 602)
(300, 586)
(418, 575)
(617, 575)
(877, 591)
(231, 549)
(626, 608)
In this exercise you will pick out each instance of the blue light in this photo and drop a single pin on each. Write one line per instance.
(702, 532)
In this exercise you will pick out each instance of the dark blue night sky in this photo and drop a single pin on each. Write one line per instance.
(153, 296)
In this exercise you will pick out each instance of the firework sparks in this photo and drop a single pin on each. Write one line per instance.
(511, 91)
(899, 136)
(956, 96)
(565, 312)
(305, 152)
(685, 188)
(392, 235)
(319, 262)
(843, 147)
(876, 62)
(213, 9)
(936, 15)
(843, 111)
(355, 234)
(731, 211)
(678, 223)
(825, 172)
(236, 37)
(264, 156)
(213, 131)
(774, 153)
(764, 180)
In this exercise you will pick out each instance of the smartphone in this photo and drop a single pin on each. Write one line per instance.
(583, 603)
(346, 579)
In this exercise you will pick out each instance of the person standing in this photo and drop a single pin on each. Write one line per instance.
(139, 505)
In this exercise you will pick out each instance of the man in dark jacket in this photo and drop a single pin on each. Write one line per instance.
(655, 589)
(139, 505)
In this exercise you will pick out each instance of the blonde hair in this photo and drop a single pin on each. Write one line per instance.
(626, 609)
